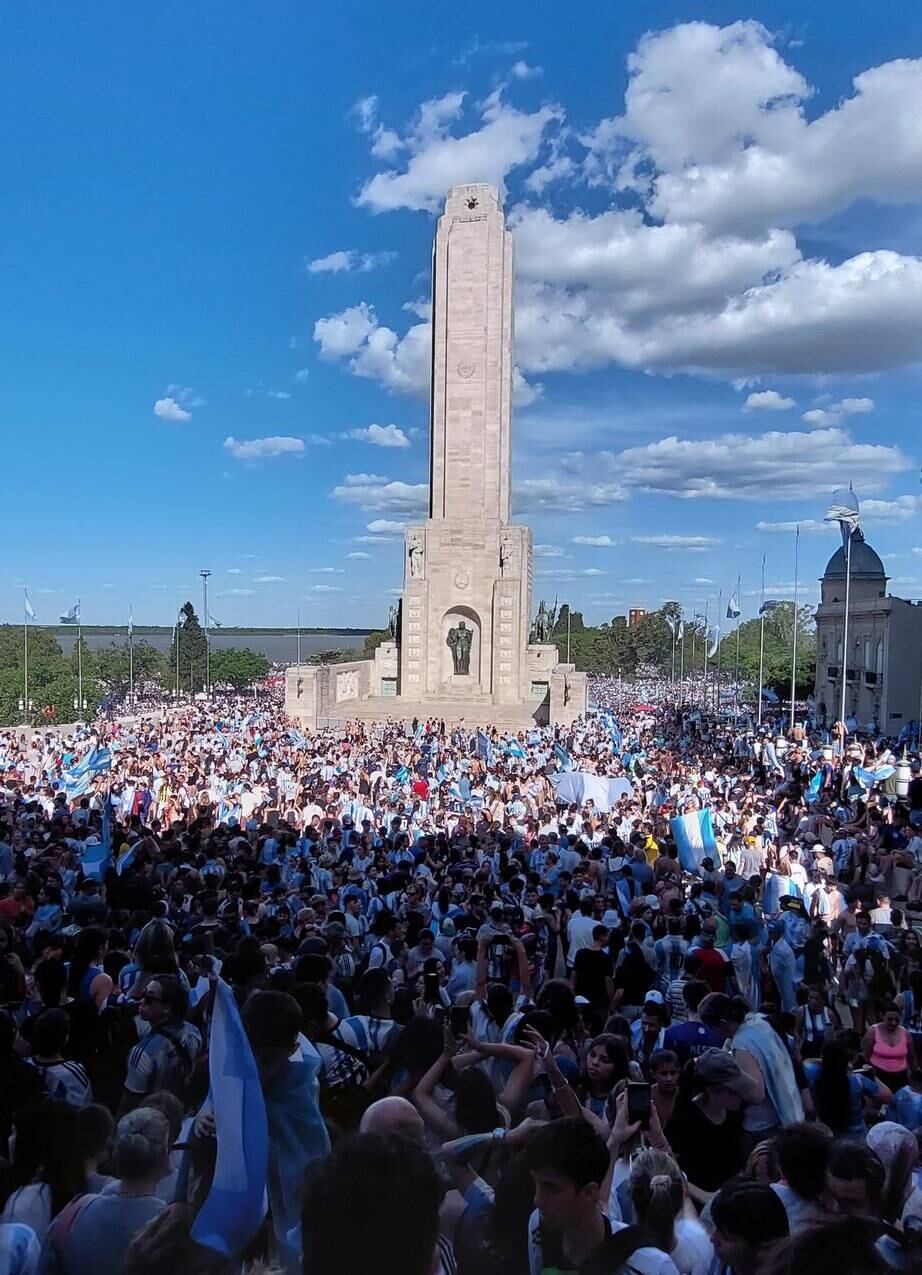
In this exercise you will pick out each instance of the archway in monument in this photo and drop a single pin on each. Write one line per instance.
(453, 618)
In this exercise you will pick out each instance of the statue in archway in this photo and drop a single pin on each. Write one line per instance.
(459, 642)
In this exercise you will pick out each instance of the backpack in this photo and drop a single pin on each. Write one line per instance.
(344, 1105)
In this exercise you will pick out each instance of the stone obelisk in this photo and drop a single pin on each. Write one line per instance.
(467, 577)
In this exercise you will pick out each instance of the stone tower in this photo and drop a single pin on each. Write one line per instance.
(467, 569)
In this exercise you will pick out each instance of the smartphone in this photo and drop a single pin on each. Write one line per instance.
(431, 989)
(639, 1102)
(460, 1020)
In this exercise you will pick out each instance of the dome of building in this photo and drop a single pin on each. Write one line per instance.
(866, 565)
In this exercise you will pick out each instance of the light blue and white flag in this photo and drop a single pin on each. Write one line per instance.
(613, 729)
(236, 1204)
(30, 613)
(96, 858)
(130, 622)
(402, 774)
(513, 749)
(73, 615)
(694, 837)
(733, 607)
(483, 747)
(868, 778)
(564, 760)
(813, 788)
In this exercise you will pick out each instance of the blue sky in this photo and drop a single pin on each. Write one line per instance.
(215, 231)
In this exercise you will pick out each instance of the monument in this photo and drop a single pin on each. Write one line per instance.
(460, 646)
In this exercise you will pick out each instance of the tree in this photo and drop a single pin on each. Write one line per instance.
(238, 667)
(52, 678)
(113, 667)
(373, 641)
(779, 643)
(191, 650)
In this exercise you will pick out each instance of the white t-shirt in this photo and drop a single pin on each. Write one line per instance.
(579, 932)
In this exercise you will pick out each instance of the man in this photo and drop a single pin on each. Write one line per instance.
(592, 971)
(692, 1038)
(713, 965)
(569, 1229)
(580, 929)
(164, 1057)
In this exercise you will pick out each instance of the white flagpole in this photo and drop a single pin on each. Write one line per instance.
(25, 658)
(848, 581)
(79, 663)
(736, 670)
(720, 612)
(299, 635)
(707, 643)
(130, 660)
(177, 658)
(761, 645)
(673, 654)
(682, 654)
(794, 651)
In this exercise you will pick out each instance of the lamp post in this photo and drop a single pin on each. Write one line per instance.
(205, 575)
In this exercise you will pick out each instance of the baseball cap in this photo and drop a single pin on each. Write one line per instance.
(655, 997)
(652, 902)
(716, 1067)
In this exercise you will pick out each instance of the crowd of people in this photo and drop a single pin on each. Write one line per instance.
(494, 1031)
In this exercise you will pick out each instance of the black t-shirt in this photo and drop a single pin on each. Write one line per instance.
(633, 975)
(591, 967)
(707, 1153)
(915, 793)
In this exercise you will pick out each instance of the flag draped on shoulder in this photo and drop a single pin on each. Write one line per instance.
(236, 1204)
(693, 834)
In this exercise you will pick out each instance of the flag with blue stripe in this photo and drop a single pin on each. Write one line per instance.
(402, 775)
(614, 730)
(96, 859)
(236, 1204)
(483, 747)
(694, 837)
(813, 788)
(564, 760)
(513, 749)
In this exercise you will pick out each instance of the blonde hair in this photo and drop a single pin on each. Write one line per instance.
(658, 1192)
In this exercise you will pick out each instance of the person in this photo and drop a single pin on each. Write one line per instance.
(840, 1093)
(762, 1055)
(692, 1037)
(897, 1149)
(814, 1023)
(400, 1194)
(86, 978)
(705, 1131)
(748, 1219)
(803, 1158)
(48, 1170)
(63, 1078)
(657, 1192)
(91, 1236)
(592, 971)
(164, 1057)
(606, 1064)
(888, 1048)
(855, 1179)
(569, 1229)
(907, 1103)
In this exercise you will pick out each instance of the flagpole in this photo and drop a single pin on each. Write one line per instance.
(568, 635)
(848, 581)
(130, 660)
(736, 668)
(79, 663)
(707, 643)
(682, 655)
(761, 644)
(794, 651)
(25, 658)
(177, 659)
(673, 655)
(299, 635)
(720, 609)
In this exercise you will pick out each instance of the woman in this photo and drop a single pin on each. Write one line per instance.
(154, 953)
(12, 975)
(888, 1047)
(86, 978)
(839, 1093)
(657, 1192)
(897, 1149)
(607, 1063)
(92, 1235)
(705, 1132)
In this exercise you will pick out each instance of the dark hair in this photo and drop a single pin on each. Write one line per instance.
(751, 1211)
(572, 1148)
(803, 1154)
(50, 980)
(374, 988)
(475, 1102)
(401, 1194)
(49, 1033)
(95, 1127)
(173, 994)
(833, 1087)
(846, 1245)
(852, 1161)
(87, 946)
(272, 1020)
(48, 1149)
(312, 1001)
(694, 992)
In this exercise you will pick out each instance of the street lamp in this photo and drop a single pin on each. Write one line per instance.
(205, 575)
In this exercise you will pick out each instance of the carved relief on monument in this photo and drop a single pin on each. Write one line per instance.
(508, 554)
(415, 555)
(347, 685)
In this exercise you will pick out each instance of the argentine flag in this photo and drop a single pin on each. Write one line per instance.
(483, 747)
(236, 1204)
(813, 788)
(514, 749)
(564, 760)
(694, 836)
(733, 608)
(73, 615)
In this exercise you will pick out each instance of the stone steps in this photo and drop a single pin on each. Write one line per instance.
(382, 708)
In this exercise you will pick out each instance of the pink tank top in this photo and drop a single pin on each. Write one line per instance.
(889, 1057)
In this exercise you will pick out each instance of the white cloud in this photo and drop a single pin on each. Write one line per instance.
(280, 394)
(703, 580)
(371, 492)
(436, 160)
(373, 540)
(269, 580)
(592, 571)
(548, 551)
(783, 466)
(339, 262)
(325, 571)
(324, 588)
(677, 542)
(358, 556)
(236, 593)
(524, 392)
(600, 542)
(381, 435)
(234, 571)
(344, 333)
(768, 401)
(374, 351)
(522, 71)
(302, 375)
(169, 410)
(263, 448)
(831, 415)
(571, 495)
(386, 526)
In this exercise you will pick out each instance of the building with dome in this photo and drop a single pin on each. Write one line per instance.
(883, 665)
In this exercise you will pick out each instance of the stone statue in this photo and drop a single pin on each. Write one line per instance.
(459, 642)
(392, 621)
(544, 623)
(415, 554)
(506, 554)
